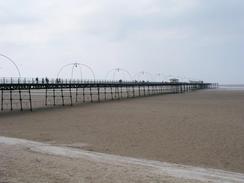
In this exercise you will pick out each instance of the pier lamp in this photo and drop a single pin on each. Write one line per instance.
(78, 66)
(116, 71)
(143, 74)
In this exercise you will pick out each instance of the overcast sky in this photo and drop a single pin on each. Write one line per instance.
(198, 39)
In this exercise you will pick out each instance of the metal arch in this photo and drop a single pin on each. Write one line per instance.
(108, 73)
(72, 71)
(61, 69)
(159, 75)
(183, 78)
(81, 76)
(15, 65)
(76, 64)
(171, 76)
(87, 66)
(118, 70)
(194, 79)
(143, 73)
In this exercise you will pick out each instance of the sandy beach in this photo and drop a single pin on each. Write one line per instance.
(202, 128)
(29, 161)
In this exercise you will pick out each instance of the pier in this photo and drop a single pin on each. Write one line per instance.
(29, 94)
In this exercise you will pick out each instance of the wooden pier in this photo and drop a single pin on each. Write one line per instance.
(29, 94)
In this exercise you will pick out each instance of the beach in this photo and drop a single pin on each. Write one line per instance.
(202, 128)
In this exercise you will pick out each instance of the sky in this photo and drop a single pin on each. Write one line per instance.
(149, 39)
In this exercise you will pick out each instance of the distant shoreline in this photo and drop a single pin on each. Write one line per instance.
(232, 86)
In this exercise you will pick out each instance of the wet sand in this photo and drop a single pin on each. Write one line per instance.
(203, 128)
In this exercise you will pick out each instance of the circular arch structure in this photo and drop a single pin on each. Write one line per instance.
(143, 73)
(167, 77)
(12, 62)
(76, 65)
(117, 70)
(194, 79)
(161, 77)
(184, 78)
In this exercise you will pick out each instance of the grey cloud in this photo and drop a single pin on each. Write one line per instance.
(190, 38)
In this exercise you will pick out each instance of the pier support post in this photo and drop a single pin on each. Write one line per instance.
(117, 92)
(20, 100)
(46, 96)
(76, 94)
(105, 93)
(111, 92)
(70, 96)
(83, 93)
(91, 99)
(30, 100)
(2, 100)
(54, 97)
(62, 95)
(121, 92)
(11, 99)
(98, 93)
(127, 92)
(133, 90)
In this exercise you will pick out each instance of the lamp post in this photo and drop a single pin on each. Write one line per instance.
(116, 71)
(143, 73)
(76, 65)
